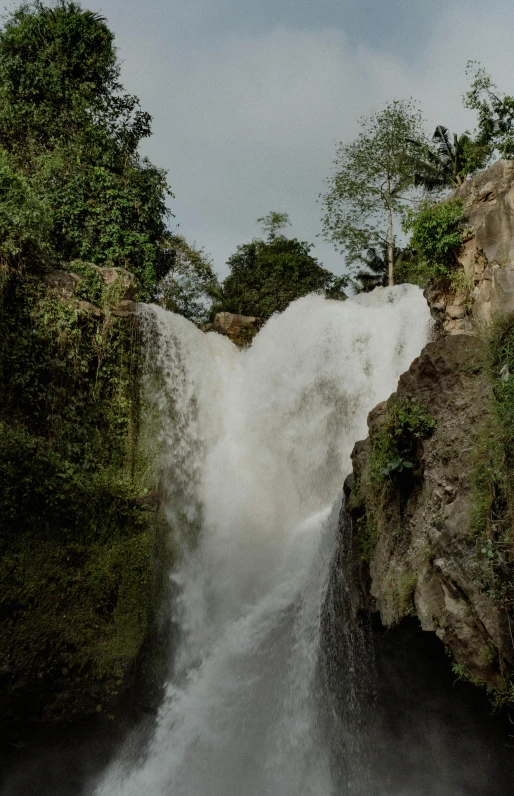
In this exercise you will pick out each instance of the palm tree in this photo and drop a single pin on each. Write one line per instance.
(377, 270)
(449, 161)
(377, 265)
(220, 301)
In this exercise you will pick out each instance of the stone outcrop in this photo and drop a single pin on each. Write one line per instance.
(241, 329)
(427, 560)
(487, 255)
(119, 282)
(65, 282)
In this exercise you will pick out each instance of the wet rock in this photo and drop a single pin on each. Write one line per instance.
(241, 329)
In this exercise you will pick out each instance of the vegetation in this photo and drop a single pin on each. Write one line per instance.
(448, 161)
(436, 235)
(495, 112)
(494, 469)
(396, 444)
(394, 462)
(190, 281)
(372, 182)
(266, 275)
(77, 529)
(73, 135)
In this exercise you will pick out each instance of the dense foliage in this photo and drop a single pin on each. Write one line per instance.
(436, 235)
(189, 282)
(266, 275)
(77, 533)
(73, 136)
(448, 160)
(495, 112)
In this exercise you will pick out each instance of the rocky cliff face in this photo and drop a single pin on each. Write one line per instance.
(487, 255)
(424, 550)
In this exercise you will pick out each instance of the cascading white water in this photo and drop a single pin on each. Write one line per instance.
(255, 446)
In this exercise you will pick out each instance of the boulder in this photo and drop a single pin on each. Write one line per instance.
(125, 309)
(487, 255)
(426, 559)
(241, 329)
(92, 309)
(65, 282)
(124, 281)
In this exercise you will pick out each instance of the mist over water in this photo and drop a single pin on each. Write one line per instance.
(254, 447)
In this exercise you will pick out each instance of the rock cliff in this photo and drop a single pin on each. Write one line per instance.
(435, 537)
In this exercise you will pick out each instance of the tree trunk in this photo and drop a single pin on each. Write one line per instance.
(390, 239)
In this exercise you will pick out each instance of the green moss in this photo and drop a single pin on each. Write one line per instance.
(404, 588)
(78, 537)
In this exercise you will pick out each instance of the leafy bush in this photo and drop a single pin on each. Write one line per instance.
(396, 444)
(436, 235)
(74, 135)
(265, 276)
(24, 220)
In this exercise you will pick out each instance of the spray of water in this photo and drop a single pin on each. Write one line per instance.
(254, 447)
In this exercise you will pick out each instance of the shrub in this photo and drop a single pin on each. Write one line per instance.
(436, 235)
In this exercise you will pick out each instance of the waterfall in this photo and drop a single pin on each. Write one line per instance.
(254, 446)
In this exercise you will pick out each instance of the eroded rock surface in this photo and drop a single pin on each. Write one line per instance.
(427, 559)
(487, 255)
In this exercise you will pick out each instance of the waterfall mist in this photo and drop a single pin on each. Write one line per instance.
(254, 447)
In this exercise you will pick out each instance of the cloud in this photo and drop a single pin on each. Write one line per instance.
(246, 120)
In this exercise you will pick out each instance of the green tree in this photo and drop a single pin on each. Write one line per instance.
(266, 275)
(273, 222)
(495, 112)
(74, 135)
(372, 181)
(187, 287)
(24, 221)
(448, 161)
(436, 235)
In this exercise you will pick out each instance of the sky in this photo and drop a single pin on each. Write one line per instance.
(249, 99)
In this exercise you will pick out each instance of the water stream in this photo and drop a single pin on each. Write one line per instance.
(254, 446)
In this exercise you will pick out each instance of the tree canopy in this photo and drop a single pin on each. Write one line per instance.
(266, 275)
(190, 281)
(73, 135)
(448, 161)
(371, 181)
(495, 112)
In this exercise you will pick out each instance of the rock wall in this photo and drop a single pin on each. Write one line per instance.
(426, 560)
(487, 255)
(425, 557)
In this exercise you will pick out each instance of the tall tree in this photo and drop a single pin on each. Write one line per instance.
(266, 275)
(74, 134)
(495, 112)
(372, 181)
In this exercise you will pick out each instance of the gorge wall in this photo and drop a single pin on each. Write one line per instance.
(434, 535)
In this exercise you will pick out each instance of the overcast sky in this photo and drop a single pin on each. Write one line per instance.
(249, 98)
